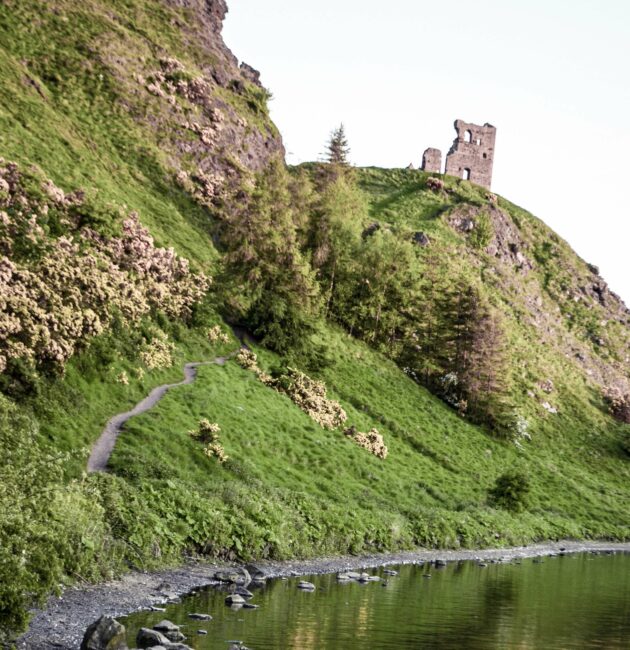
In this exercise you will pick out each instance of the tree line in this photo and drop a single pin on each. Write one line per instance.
(296, 250)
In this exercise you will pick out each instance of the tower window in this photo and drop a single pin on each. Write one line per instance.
(468, 136)
(466, 174)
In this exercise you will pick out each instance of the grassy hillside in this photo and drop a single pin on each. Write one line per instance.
(114, 108)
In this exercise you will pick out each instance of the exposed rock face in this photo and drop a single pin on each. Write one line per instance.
(209, 114)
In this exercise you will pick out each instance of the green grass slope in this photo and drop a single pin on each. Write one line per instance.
(75, 102)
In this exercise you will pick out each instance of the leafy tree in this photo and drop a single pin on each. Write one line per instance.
(266, 279)
(337, 149)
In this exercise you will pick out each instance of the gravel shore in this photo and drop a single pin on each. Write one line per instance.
(64, 620)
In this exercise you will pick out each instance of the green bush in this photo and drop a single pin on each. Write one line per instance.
(510, 491)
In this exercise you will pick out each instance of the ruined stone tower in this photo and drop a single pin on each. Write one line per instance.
(470, 156)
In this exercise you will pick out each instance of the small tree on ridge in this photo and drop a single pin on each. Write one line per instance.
(337, 149)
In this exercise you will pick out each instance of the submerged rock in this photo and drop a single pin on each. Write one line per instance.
(306, 586)
(200, 617)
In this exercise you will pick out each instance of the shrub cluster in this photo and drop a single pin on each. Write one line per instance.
(208, 433)
(618, 405)
(62, 282)
(157, 353)
(372, 441)
(306, 393)
(217, 334)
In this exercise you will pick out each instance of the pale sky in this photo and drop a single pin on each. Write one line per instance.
(552, 75)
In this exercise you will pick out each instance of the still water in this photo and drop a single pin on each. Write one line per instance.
(576, 601)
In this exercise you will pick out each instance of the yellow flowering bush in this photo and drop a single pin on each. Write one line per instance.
(208, 433)
(372, 441)
(56, 293)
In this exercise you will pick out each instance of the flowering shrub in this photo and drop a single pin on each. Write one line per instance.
(310, 396)
(122, 378)
(208, 432)
(435, 184)
(306, 393)
(372, 441)
(58, 292)
(158, 353)
(618, 405)
(217, 334)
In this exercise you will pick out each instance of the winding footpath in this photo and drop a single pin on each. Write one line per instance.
(104, 446)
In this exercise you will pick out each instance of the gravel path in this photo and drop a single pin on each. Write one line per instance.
(104, 446)
(64, 620)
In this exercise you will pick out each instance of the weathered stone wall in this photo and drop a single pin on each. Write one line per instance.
(432, 161)
(472, 153)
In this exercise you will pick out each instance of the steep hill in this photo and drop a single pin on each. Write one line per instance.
(434, 366)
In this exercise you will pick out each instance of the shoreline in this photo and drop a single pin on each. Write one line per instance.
(63, 621)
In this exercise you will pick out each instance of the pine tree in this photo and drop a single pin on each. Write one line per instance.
(337, 149)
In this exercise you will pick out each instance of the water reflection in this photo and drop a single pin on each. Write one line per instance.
(564, 603)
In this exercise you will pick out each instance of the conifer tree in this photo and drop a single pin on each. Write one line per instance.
(338, 149)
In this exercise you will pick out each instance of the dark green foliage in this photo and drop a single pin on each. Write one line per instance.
(510, 491)
(265, 280)
(482, 233)
(337, 149)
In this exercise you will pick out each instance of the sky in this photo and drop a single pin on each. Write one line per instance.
(552, 75)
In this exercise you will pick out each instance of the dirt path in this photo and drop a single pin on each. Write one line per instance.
(103, 447)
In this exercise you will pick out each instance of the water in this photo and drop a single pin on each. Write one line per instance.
(576, 601)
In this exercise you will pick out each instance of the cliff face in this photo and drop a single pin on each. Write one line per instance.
(106, 85)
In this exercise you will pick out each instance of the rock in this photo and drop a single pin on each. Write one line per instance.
(306, 586)
(153, 608)
(482, 564)
(343, 577)
(200, 617)
(374, 579)
(421, 239)
(440, 563)
(371, 229)
(250, 606)
(238, 576)
(202, 632)
(390, 572)
(241, 591)
(234, 599)
(353, 575)
(364, 577)
(257, 574)
(166, 626)
(147, 638)
(104, 634)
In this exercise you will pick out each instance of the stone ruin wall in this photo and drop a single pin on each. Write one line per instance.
(432, 161)
(470, 157)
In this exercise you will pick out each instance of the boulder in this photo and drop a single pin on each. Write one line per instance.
(234, 599)
(170, 631)
(200, 617)
(166, 626)
(147, 638)
(421, 239)
(104, 634)
(306, 586)
(238, 576)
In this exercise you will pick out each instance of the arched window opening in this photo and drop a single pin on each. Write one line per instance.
(466, 174)
(468, 136)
